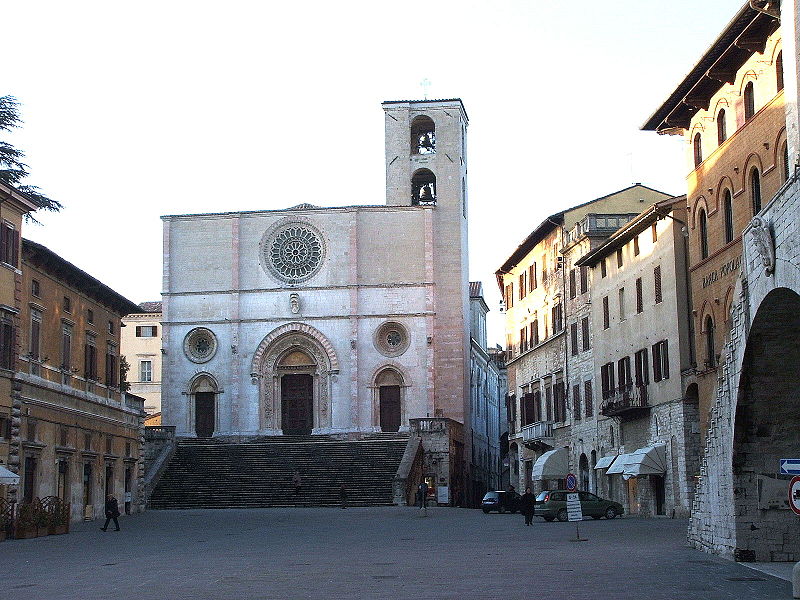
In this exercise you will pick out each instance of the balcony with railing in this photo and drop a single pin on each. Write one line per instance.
(598, 225)
(538, 432)
(625, 399)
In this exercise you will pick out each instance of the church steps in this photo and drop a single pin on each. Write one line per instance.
(224, 474)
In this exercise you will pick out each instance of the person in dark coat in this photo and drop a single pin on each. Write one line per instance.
(112, 512)
(526, 505)
(422, 495)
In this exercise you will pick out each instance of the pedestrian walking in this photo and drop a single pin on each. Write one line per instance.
(112, 512)
(526, 505)
(297, 482)
(422, 495)
(343, 496)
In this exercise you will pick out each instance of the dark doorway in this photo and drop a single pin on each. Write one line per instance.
(658, 492)
(30, 480)
(127, 490)
(63, 480)
(204, 414)
(87, 484)
(297, 400)
(109, 480)
(390, 407)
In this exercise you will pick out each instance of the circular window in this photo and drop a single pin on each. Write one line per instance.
(293, 252)
(391, 339)
(200, 345)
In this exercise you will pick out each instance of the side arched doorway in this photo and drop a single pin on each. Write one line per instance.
(389, 385)
(766, 426)
(203, 391)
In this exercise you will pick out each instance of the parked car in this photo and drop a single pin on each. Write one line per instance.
(501, 501)
(552, 504)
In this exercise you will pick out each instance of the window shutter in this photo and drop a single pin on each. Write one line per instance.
(15, 247)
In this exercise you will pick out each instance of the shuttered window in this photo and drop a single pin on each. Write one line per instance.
(657, 284)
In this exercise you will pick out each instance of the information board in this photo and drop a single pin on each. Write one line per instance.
(574, 512)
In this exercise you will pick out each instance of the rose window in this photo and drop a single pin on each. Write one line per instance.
(200, 345)
(295, 253)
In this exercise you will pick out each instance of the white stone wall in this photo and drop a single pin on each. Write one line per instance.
(713, 524)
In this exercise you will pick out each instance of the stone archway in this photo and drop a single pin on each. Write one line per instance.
(766, 426)
(737, 508)
(293, 361)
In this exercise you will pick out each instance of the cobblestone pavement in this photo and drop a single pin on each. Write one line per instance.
(372, 553)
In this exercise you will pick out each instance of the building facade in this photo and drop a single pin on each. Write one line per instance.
(730, 109)
(13, 208)
(646, 432)
(539, 281)
(79, 436)
(141, 348)
(487, 405)
(315, 320)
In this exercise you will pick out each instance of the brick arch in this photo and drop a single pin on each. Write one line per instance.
(753, 160)
(699, 203)
(294, 328)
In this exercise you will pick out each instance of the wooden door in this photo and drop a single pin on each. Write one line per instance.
(204, 414)
(390, 407)
(297, 401)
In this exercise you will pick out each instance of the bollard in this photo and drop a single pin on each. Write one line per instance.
(796, 580)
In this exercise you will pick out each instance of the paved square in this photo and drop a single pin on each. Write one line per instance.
(372, 553)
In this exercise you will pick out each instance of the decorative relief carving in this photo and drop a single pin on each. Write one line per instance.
(765, 245)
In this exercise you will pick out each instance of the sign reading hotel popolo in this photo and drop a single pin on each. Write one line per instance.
(729, 267)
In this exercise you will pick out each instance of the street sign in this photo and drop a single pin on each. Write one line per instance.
(574, 512)
(572, 482)
(794, 494)
(790, 466)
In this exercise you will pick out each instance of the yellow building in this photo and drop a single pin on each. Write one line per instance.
(79, 436)
(13, 208)
(730, 110)
(141, 347)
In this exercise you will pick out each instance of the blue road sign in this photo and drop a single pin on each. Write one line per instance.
(572, 482)
(790, 466)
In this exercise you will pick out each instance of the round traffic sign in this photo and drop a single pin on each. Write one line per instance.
(794, 494)
(572, 482)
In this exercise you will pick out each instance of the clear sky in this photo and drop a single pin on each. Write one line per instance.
(135, 110)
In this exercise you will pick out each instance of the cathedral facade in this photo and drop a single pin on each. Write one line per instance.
(320, 320)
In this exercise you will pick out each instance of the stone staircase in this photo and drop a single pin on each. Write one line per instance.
(211, 473)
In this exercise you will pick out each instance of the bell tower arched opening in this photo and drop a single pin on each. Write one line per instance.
(423, 188)
(423, 135)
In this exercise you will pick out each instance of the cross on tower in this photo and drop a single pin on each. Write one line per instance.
(425, 84)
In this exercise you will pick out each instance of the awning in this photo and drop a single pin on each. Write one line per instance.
(551, 465)
(650, 460)
(7, 477)
(618, 468)
(605, 462)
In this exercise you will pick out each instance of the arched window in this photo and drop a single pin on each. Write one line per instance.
(698, 150)
(755, 190)
(785, 157)
(727, 208)
(779, 70)
(423, 136)
(703, 234)
(423, 188)
(749, 101)
(722, 133)
(711, 357)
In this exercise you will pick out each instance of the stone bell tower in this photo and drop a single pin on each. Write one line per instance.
(426, 167)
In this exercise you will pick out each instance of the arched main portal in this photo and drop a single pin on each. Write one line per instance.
(294, 367)
(766, 424)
